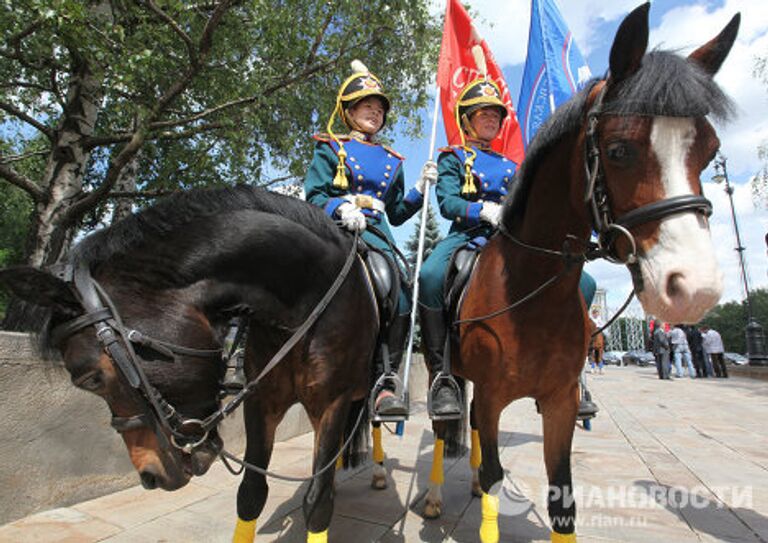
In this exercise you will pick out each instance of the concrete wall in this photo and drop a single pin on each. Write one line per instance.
(56, 445)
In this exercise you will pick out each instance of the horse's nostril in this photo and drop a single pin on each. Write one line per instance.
(675, 286)
(148, 480)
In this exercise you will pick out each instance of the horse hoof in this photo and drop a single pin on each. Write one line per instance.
(432, 510)
(379, 482)
(477, 492)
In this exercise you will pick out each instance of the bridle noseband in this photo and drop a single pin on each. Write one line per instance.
(117, 341)
(608, 229)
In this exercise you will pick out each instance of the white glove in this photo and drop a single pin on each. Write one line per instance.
(491, 213)
(428, 175)
(351, 217)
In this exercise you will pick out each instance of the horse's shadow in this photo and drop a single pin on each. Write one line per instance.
(723, 522)
(394, 515)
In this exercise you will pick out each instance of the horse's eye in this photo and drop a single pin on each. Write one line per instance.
(92, 382)
(618, 151)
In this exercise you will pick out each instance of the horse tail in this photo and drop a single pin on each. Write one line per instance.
(454, 432)
(356, 452)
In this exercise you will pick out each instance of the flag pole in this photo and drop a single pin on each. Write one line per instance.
(419, 259)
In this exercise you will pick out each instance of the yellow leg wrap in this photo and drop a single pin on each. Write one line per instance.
(245, 531)
(317, 537)
(378, 449)
(489, 527)
(340, 463)
(436, 475)
(476, 456)
(563, 538)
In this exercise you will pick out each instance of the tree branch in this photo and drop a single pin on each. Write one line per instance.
(8, 108)
(19, 36)
(177, 29)
(23, 182)
(141, 194)
(319, 38)
(17, 158)
(100, 141)
(202, 114)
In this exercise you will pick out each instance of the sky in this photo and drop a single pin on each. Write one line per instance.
(680, 25)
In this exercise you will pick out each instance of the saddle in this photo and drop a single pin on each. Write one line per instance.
(386, 281)
(457, 277)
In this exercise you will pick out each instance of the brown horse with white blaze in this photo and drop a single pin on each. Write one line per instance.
(623, 158)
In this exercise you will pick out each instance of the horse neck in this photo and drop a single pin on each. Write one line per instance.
(266, 263)
(555, 208)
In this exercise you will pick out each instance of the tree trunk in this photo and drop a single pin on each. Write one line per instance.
(125, 183)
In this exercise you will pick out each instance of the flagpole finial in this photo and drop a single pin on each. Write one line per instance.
(479, 55)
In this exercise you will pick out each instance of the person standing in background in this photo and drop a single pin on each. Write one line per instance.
(680, 351)
(661, 349)
(713, 347)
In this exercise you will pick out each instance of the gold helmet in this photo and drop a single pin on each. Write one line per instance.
(478, 94)
(361, 84)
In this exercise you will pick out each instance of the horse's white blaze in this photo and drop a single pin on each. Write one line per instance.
(680, 273)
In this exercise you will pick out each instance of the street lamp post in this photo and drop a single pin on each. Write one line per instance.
(753, 331)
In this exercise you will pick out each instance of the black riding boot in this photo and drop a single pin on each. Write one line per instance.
(391, 404)
(434, 329)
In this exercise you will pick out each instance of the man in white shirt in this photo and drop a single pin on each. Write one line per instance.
(713, 347)
(680, 351)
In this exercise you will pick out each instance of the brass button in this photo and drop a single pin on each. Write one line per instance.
(389, 167)
(458, 219)
(383, 183)
(386, 174)
(351, 159)
(378, 194)
(509, 171)
(360, 177)
(485, 185)
(357, 166)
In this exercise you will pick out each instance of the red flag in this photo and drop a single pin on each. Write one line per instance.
(457, 67)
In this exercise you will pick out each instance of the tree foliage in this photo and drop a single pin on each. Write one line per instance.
(191, 93)
(432, 237)
(730, 319)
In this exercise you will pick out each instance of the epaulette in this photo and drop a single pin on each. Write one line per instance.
(322, 136)
(393, 152)
(450, 148)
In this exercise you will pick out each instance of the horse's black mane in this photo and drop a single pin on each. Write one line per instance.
(665, 85)
(179, 209)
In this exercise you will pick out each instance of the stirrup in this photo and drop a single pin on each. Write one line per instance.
(397, 383)
(450, 381)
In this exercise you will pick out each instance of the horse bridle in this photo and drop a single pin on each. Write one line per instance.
(117, 341)
(608, 229)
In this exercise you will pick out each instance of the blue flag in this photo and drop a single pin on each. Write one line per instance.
(554, 69)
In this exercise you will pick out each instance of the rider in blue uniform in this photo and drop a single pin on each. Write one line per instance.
(360, 182)
(473, 181)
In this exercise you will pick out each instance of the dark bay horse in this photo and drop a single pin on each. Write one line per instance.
(622, 158)
(139, 314)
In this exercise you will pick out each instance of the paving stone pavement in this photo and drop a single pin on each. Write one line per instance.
(672, 461)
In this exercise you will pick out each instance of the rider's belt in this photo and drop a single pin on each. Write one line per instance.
(364, 201)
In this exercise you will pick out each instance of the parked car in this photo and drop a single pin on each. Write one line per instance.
(735, 358)
(613, 357)
(640, 358)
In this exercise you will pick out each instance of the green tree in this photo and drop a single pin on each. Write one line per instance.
(432, 237)
(730, 319)
(759, 183)
(159, 96)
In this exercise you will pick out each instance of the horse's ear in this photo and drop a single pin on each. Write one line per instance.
(39, 287)
(711, 55)
(630, 44)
